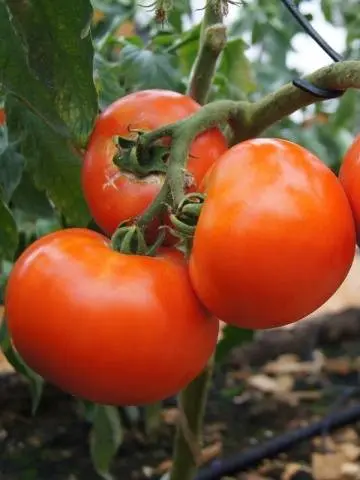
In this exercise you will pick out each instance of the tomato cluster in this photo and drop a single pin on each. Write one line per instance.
(114, 196)
(274, 240)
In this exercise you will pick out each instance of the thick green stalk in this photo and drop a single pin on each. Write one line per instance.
(247, 120)
(212, 42)
(289, 98)
(188, 438)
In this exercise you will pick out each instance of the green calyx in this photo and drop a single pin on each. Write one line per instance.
(129, 239)
(132, 158)
(185, 219)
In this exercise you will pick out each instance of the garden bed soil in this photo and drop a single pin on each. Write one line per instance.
(282, 381)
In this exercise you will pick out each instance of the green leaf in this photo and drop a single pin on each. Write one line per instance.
(107, 78)
(53, 163)
(35, 381)
(55, 39)
(11, 169)
(346, 110)
(8, 233)
(32, 202)
(327, 9)
(231, 337)
(142, 69)
(105, 438)
(17, 79)
(87, 409)
(236, 67)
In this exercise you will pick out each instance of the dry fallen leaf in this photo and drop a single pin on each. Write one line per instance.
(350, 471)
(293, 469)
(291, 364)
(207, 454)
(285, 383)
(328, 466)
(294, 398)
(340, 365)
(324, 444)
(351, 451)
(263, 382)
(170, 416)
(346, 434)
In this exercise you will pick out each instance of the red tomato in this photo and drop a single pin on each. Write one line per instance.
(108, 327)
(275, 238)
(114, 196)
(349, 176)
(2, 117)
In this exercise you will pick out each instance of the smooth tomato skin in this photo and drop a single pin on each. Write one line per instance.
(114, 196)
(349, 176)
(2, 117)
(108, 327)
(275, 238)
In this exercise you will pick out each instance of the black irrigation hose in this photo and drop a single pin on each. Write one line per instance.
(253, 456)
(289, 4)
(301, 83)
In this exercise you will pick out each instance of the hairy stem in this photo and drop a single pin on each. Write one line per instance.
(182, 134)
(289, 98)
(212, 42)
(192, 406)
(247, 120)
(156, 207)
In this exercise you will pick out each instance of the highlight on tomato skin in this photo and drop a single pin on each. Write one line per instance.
(349, 176)
(275, 238)
(114, 196)
(111, 328)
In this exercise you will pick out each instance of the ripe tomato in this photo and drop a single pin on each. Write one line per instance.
(108, 327)
(114, 196)
(275, 237)
(349, 176)
(2, 117)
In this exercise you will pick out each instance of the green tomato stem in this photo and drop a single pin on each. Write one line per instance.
(188, 437)
(212, 43)
(156, 207)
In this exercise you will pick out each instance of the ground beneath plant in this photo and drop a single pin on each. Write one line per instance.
(282, 381)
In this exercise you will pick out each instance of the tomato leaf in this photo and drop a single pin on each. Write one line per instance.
(55, 39)
(105, 438)
(17, 79)
(53, 163)
(231, 337)
(34, 115)
(32, 202)
(236, 67)
(35, 381)
(142, 68)
(11, 169)
(107, 76)
(9, 234)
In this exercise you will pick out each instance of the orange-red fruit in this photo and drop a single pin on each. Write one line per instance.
(108, 327)
(2, 117)
(275, 238)
(114, 196)
(349, 176)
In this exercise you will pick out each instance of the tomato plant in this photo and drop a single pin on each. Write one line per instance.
(113, 195)
(349, 176)
(275, 237)
(105, 326)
